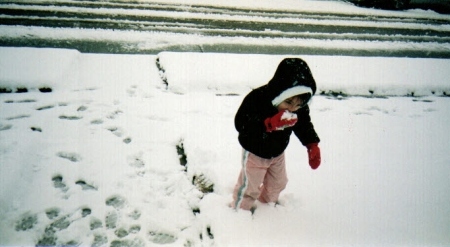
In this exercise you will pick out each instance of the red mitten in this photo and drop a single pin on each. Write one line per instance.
(281, 120)
(314, 155)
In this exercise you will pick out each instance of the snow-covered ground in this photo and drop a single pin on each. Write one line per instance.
(94, 162)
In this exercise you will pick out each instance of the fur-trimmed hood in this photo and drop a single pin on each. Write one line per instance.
(292, 77)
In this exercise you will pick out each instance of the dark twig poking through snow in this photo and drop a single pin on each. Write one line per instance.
(162, 72)
(202, 183)
(182, 155)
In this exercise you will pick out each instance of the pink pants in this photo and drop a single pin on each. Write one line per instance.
(260, 179)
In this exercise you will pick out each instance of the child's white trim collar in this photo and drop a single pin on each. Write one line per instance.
(293, 91)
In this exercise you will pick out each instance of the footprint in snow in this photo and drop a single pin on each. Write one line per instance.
(111, 219)
(65, 117)
(58, 183)
(114, 114)
(49, 238)
(127, 140)
(82, 108)
(74, 157)
(375, 108)
(85, 186)
(362, 113)
(121, 232)
(26, 222)
(161, 237)
(36, 129)
(131, 92)
(45, 107)
(136, 242)
(116, 201)
(52, 213)
(117, 131)
(97, 121)
(99, 240)
(85, 212)
(19, 117)
(20, 101)
(95, 223)
(135, 229)
(5, 127)
(423, 100)
(135, 215)
(27, 101)
(136, 160)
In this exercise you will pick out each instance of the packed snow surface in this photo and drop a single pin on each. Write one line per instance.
(98, 160)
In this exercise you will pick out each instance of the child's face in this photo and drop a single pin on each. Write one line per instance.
(291, 104)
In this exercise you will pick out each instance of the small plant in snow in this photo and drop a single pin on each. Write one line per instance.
(203, 183)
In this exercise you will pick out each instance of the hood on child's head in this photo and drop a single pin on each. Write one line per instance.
(292, 77)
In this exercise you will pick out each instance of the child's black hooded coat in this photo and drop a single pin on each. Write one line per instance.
(292, 77)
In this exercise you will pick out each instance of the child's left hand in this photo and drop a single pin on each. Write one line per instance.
(314, 155)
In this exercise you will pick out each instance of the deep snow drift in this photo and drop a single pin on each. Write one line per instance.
(94, 162)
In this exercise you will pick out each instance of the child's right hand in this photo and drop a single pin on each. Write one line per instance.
(280, 121)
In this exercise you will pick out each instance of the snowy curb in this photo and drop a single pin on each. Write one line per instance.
(335, 75)
(31, 69)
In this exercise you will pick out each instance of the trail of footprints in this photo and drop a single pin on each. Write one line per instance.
(59, 220)
(123, 235)
(117, 131)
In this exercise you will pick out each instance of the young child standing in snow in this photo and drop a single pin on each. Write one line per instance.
(265, 120)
